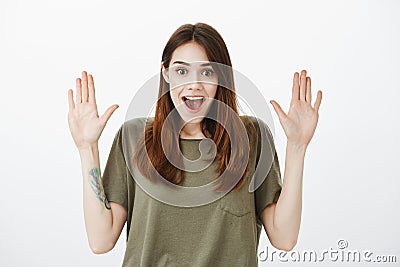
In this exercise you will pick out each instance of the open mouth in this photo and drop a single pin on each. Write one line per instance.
(193, 103)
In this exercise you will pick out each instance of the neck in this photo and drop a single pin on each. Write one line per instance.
(192, 131)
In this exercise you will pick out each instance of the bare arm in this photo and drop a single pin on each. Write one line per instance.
(282, 219)
(104, 221)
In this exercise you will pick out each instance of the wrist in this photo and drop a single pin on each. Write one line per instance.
(89, 148)
(296, 147)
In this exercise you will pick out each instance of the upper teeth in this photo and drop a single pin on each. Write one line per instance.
(194, 97)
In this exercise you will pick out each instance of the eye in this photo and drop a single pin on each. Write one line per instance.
(208, 72)
(181, 71)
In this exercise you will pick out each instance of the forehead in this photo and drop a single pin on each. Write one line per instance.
(189, 52)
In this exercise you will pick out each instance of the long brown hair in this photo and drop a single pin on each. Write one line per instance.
(216, 50)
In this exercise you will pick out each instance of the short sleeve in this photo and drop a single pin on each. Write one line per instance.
(269, 190)
(116, 174)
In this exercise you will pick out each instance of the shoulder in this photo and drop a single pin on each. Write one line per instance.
(260, 133)
(136, 123)
(134, 127)
(130, 131)
(255, 126)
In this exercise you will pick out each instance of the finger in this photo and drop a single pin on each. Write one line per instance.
(281, 114)
(303, 85)
(78, 91)
(71, 100)
(107, 114)
(92, 98)
(84, 87)
(308, 90)
(318, 100)
(295, 88)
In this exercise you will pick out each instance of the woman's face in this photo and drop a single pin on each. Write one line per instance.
(193, 83)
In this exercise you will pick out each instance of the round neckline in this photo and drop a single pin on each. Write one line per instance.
(191, 139)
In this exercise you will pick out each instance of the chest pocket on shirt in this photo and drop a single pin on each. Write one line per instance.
(236, 202)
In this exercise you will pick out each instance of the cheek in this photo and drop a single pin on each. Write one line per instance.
(174, 93)
(212, 91)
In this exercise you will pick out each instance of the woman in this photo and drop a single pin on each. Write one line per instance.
(224, 232)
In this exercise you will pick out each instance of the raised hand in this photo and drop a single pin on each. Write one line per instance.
(300, 122)
(83, 119)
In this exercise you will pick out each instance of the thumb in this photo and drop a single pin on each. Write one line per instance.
(107, 114)
(281, 114)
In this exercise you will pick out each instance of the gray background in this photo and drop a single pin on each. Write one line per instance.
(350, 49)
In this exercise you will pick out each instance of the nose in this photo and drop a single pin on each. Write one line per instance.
(195, 84)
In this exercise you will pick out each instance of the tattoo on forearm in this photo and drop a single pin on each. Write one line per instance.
(97, 186)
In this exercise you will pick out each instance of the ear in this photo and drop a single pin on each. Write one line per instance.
(164, 72)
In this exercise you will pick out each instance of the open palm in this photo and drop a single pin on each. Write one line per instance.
(84, 122)
(300, 122)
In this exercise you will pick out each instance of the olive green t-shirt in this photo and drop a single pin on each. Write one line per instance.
(225, 232)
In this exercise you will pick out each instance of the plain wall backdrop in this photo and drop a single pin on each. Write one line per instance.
(350, 49)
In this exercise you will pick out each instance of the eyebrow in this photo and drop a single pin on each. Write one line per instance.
(188, 64)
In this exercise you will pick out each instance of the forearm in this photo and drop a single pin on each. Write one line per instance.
(287, 215)
(98, 218)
